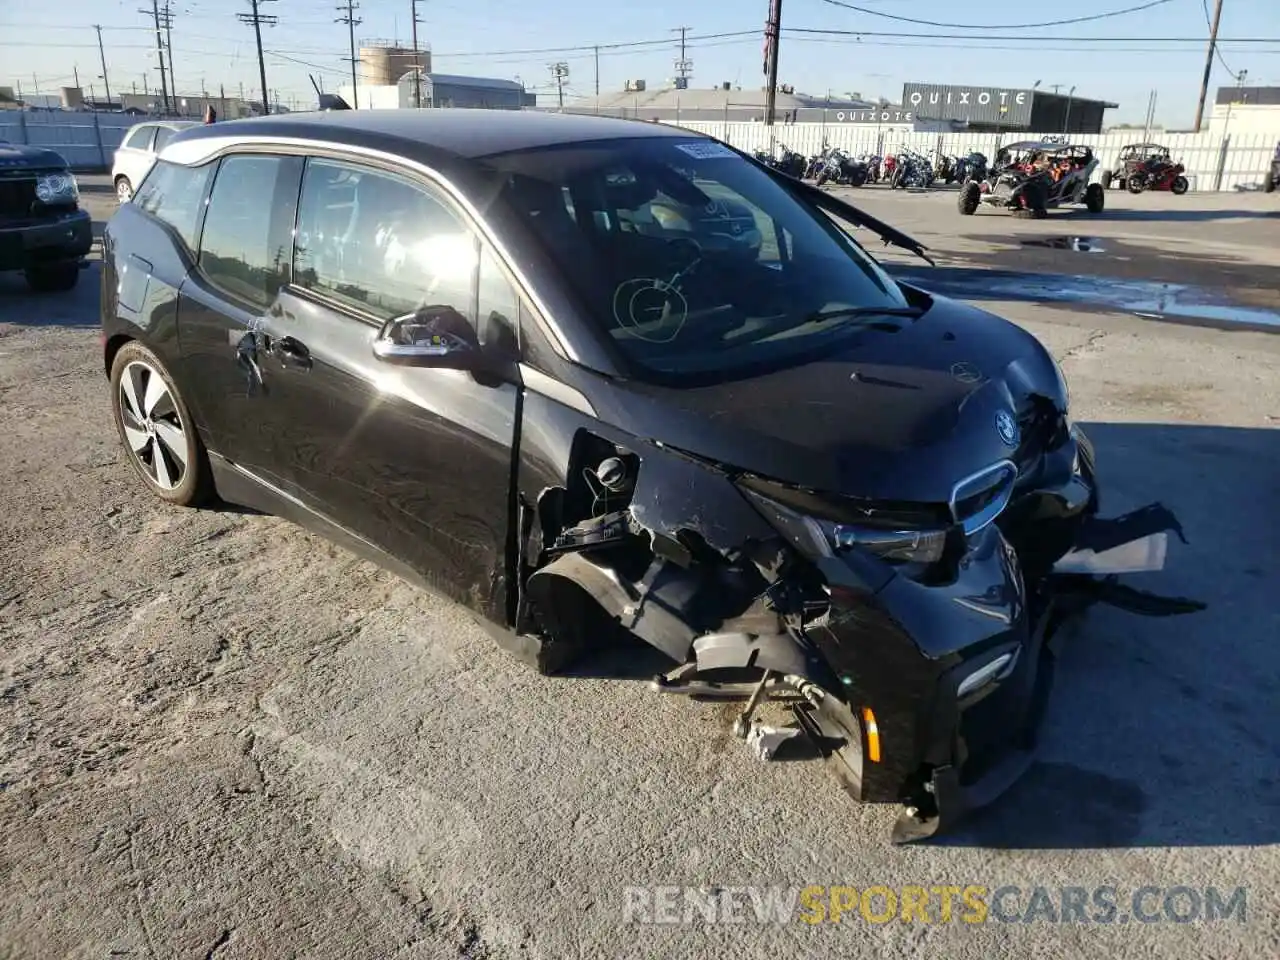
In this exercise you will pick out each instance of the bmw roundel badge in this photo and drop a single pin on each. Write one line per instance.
(1007, 427)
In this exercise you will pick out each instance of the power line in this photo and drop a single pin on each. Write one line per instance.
(103, 56)
(257, 19)
(351, 20)
(684, 66)
(968, 36)
(155, 18)
(1000, 26)
(1208, 22)
(1208, 63)
(166, 21)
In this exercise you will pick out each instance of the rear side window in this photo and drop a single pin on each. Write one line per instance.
(245, 247)
(140, 138)
(173, 194)
(163, 136)
(381, 244)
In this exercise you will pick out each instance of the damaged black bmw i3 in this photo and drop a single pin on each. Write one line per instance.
(584, 374)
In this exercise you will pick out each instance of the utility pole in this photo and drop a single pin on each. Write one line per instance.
(417, 61)
(684, 66)
(560, 71)
(1208, 62)
(351, 20)
(155, 18)
(103, 56)
(166, 21)
(258, 19)
(75, 74)
(772, 32)
(597, 50)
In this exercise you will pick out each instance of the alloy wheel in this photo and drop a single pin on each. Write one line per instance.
(152, 425)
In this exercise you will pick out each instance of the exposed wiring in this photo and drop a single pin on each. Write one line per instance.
(998, 26)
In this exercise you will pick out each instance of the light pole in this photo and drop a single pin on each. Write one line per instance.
(1066, 117)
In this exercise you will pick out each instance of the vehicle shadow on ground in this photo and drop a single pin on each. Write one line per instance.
(1181, 216)
(77, 307)
(1166, 732)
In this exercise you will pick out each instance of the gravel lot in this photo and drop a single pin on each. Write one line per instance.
(221, 737)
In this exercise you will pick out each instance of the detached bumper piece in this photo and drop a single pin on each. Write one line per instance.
(948, 792)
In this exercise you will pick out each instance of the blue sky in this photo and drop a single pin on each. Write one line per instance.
(476, 37)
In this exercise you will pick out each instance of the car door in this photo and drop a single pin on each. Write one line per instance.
(417, 462)
(133, 158)
(242, 263)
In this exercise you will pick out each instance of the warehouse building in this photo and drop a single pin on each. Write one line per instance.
(387, 74)
(1245, 110)
(668, 102)
(1001, 109)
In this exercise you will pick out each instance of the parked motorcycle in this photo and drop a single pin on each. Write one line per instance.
(971, 167)
(911, 169)
(839, 167)
(1158, 175)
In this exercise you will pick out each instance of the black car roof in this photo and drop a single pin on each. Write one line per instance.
(461, 133)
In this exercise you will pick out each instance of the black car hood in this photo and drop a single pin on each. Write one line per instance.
(898, 416)
(14, 158)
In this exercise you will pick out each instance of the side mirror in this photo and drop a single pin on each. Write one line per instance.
(433, 336)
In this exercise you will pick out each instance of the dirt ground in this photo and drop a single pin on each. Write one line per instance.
(221, 737)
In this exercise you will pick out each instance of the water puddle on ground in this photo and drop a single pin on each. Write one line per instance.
(1078, 244)
(1172, 302)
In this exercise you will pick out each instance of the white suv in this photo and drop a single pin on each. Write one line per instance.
(138, 152)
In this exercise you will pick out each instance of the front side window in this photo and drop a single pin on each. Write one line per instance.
(174, 195)
(140, 138)
(695, 262)
(244, 249)
(380, 244)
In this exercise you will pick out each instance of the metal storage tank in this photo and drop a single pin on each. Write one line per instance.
(384, 62)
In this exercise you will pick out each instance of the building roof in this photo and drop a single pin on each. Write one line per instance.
(489, 83)
(1253, 96)
(716, 98)
(456, 133)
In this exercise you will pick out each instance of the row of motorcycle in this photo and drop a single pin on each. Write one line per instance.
(906, 168)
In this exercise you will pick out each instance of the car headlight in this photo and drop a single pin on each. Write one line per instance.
(996, 669)
(817, 536)
(57, 188)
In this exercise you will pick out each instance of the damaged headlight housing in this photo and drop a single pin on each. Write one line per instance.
(820, 528)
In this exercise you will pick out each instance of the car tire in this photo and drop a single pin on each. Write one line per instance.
(969, 198)
(1095, 198)
(124, 190)
(821, 179)
(1269, 184)
(1180, 185)
(159, 436)
(57, 277)
(1106, 179)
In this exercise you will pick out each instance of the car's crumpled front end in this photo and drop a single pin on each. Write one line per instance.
(943, 642)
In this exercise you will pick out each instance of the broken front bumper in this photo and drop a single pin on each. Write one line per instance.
(955, 680)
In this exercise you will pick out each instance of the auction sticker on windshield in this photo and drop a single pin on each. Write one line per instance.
(709, 150)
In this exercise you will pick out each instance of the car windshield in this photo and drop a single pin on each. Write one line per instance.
(696, 262)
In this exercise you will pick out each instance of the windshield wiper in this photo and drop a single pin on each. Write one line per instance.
(818, 316)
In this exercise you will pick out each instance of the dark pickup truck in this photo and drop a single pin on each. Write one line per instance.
(43, 231)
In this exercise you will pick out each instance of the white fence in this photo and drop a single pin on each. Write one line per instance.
(86, 140)
(1213, 162)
